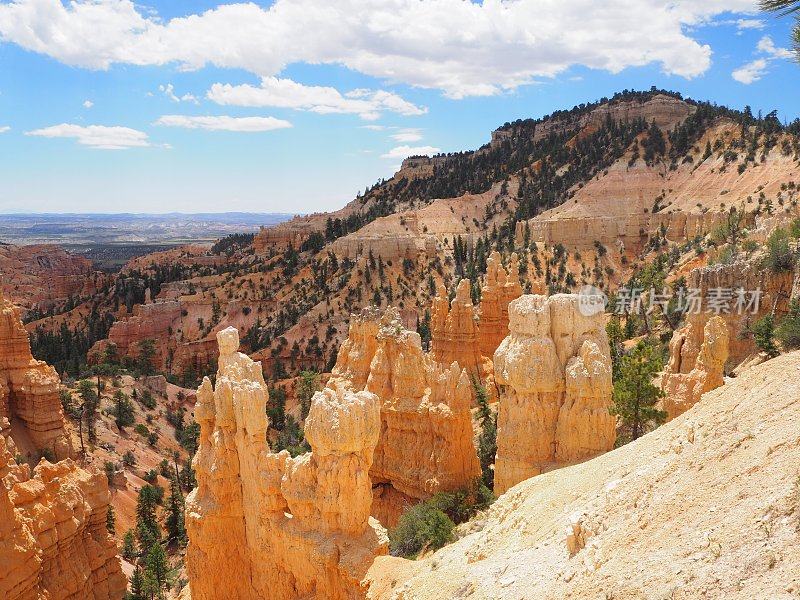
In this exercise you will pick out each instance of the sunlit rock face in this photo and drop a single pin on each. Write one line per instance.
(53, 538)
(554, 373)
(29, 389)
(696, 366)
(273, 526)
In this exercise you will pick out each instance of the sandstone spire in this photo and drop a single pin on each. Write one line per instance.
(272, 526)
(426, 442)
(554, 370)
(500, 288)
(455, 330)
(687, 378)
(29, 389)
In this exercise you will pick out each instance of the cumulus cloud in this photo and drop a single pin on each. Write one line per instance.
(461, 48)
(407, 135)
(756, 69)
(88, 104)
(285, 93)
(169, 91)
(96, 136)
(224, 123)
(405, 151)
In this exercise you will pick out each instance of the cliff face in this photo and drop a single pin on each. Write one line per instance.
(554, 372)
(426, 441)
(53, 538)
(696, 364)
(500, 288)
(264, 525)
(29, 389)
(455, 329)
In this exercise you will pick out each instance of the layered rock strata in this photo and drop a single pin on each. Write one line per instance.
(264, 525)
(500, 288)
(53, 538)
(426, 442)
(696, 364)
(29, 389)
(554, 373)
(454, 329)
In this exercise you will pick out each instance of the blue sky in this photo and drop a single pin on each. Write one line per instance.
(294, 106)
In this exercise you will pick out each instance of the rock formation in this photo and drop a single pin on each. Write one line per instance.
(264, 525)
(454, 329)
(554, 372)
(53, 538)
(696, 366)
(500, 288)
(426, 443)
(643, 521)
(29, 389)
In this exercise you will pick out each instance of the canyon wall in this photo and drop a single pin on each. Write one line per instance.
(53, 538)
(29, 389)
(554, 373)
(264, 525)
(696, 364)
(426, 442)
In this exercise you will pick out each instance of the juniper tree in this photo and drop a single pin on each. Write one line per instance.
(635, 397)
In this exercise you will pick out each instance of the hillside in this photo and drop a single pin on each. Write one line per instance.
(705, 506)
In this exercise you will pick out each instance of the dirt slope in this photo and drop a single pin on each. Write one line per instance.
(707, 506)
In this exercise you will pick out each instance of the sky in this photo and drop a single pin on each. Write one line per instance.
(295, 106)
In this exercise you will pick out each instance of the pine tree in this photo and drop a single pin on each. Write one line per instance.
(137, 585)
(148, 532)
(129, 546)
(157, 566)
(635, 396)
(123, 410)
(86, 390)
(176, 529)
(487, 441)
(111, 520)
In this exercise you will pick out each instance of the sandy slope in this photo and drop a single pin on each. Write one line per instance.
(707, 506)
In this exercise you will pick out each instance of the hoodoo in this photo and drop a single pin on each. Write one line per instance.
(264, 525)
(554, 372)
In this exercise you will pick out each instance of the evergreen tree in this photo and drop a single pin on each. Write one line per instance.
(137, 585)
(129, 546)
(487, 441)
(156, 565)
(123, 410)
(111, 520)
(87, 392)
(175, 525)
(635, 396)
(148, 532)
(764, 335)
(308, 384)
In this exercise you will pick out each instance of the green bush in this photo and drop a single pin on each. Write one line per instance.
(779, 257)
(421, 527)
(148, 400)
(788, 331)
(764, 335)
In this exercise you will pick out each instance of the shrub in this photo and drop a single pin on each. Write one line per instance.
(764, 335)
(779, 257)
(148, 400)
(421, 527)
(129, 459)
(788, 331)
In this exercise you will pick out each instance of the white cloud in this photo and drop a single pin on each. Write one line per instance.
(373, 127)
(407, 135)
(96, 136)
(767, 46)
(756, 69)
(285, 93)
(5, 128)
(88, 104)
(224, 123)
(400, 152)
(462, 48)
(751, 72)
(169, 91)
(750, 24)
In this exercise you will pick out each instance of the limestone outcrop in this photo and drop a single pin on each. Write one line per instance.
(454, 329)
(53, 538)
(500, 288)
(265, 525)
(426, 442)
(554, 373)
(29, 389)
(696, 364)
